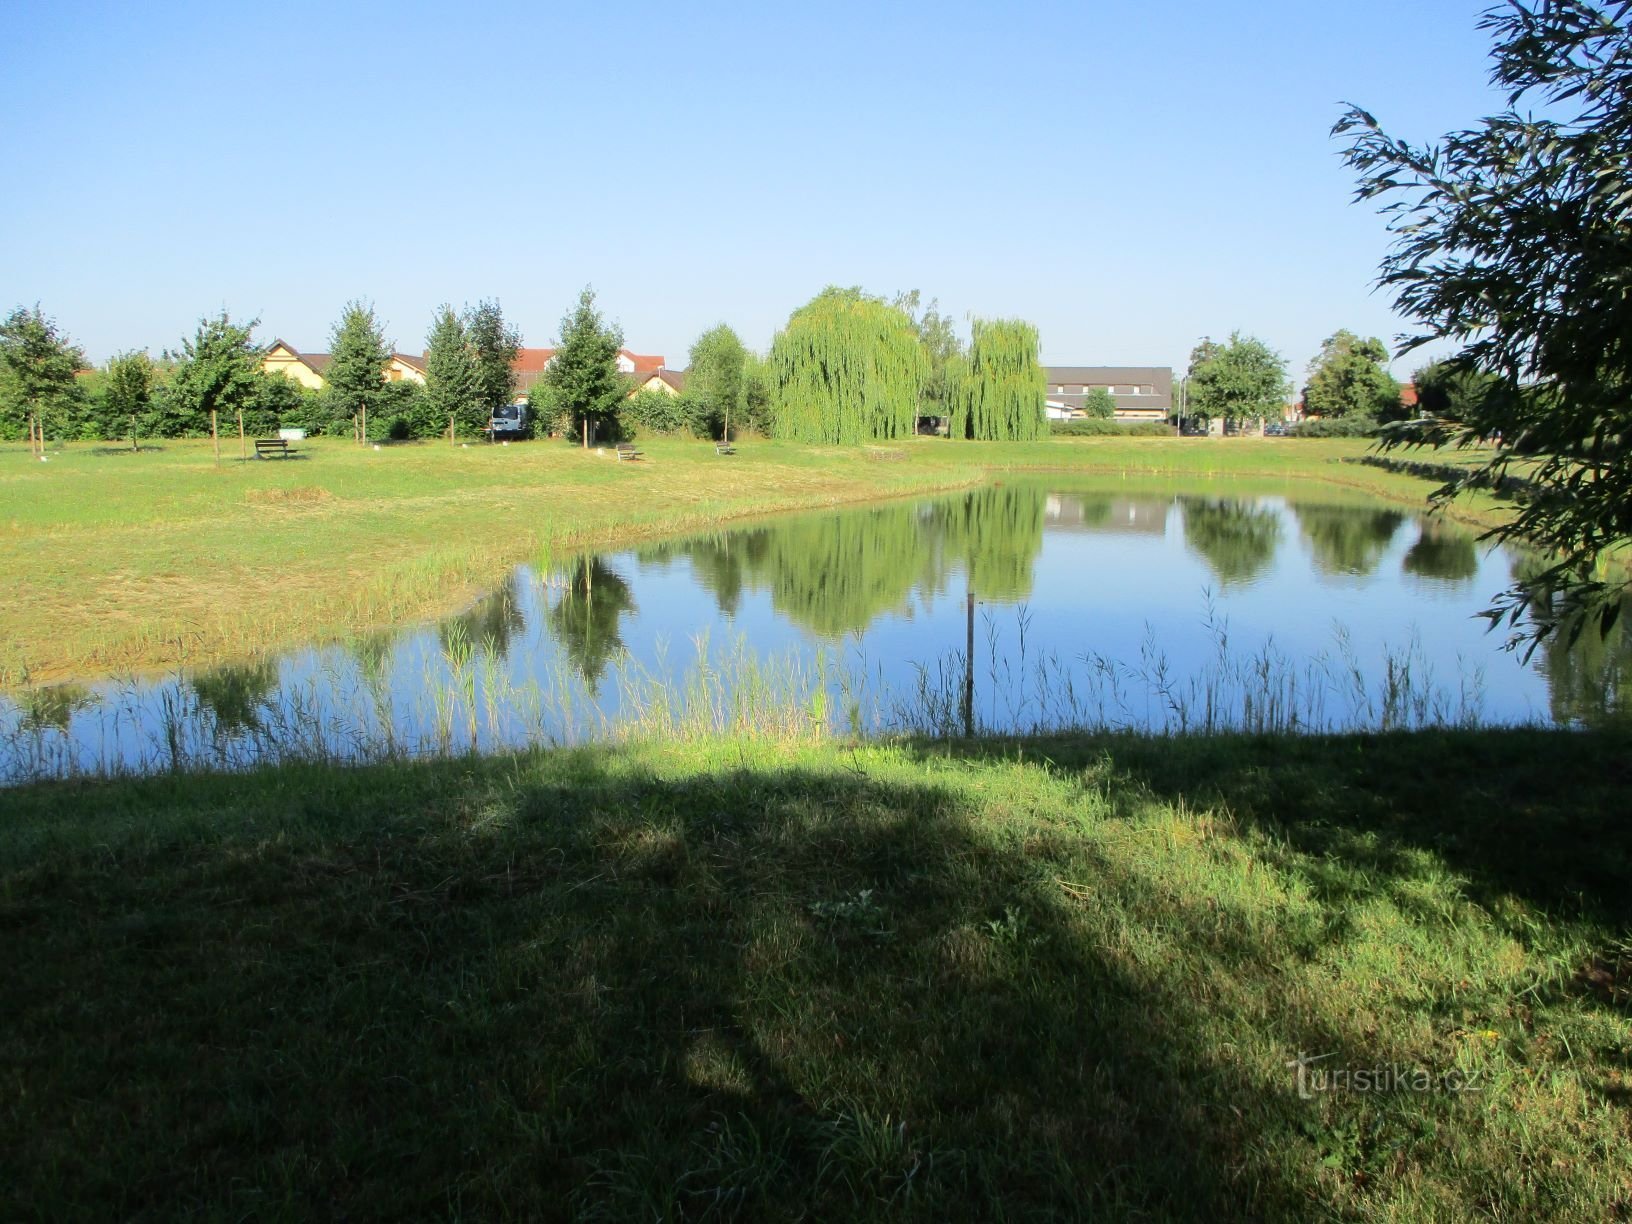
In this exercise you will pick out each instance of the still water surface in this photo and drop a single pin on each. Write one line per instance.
(1094, 604)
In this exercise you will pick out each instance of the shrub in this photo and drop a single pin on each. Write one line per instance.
(1334, 427)
(1098, 427)
(654, 412)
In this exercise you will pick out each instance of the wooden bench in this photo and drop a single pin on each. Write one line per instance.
(265, 448)
(724, 448)
(625, 450)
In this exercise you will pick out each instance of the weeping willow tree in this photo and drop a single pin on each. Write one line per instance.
(848, 368)
(997, 391)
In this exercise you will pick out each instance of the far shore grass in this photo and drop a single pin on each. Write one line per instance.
(123, 563)
(779, 979)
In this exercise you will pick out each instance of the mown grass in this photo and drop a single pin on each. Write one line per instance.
(1011, 979)
(121, 562)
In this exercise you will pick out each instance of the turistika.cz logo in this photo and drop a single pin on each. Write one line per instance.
(1315, 1078)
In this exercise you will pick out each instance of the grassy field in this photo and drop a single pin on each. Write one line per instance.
(121, 562)
(761, 980)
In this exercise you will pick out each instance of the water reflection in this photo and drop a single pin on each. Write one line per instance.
(1442, 553)
(586, 617)
(52, 707)
(238, 696)
(1347, 539)
(836, 574)
(1590, 682)
(490, 623)
(1237, 539)
(1103, 569)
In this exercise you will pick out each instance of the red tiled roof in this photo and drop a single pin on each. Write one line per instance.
(1408, 394)
(532, 360)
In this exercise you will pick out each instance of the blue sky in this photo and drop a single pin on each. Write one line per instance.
(1128, 177)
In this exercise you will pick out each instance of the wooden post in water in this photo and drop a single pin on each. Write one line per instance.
(969, 668)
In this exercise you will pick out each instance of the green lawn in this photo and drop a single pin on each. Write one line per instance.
(765, 980)
(126, 562)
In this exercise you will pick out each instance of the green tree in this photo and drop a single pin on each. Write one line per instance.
(493, 346)
(582, 381)
(848, 368)
(716, 376)
(758, 394)
(1099, 403)
(1512, 240)
(450, 379)
(127, 395)
(942, 346)
(1350, 379)
(357, 360)
(998, 393)
(1243, 379)
(40, 364)
(218, 370)
(1451, 392)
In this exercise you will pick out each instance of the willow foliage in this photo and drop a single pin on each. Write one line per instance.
(848, 368)
(998, 390)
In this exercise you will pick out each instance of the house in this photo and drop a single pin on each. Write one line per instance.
(529, 364)
(307, 369)
(665, 381)
(646, 372)
(1141, 393)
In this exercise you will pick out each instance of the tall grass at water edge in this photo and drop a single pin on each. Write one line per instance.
(466, 701)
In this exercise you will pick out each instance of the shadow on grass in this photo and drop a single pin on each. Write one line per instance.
(1539, 815)
(597, 984)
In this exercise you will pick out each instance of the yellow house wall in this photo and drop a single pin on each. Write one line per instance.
(280, 362)
(398, 371)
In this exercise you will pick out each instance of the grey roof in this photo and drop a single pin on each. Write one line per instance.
(1159, 377)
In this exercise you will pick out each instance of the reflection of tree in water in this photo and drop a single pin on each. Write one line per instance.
(1589, 681)
(835, 573)
(585, 618)
(1235, 538)
(997, 533)
(1442, 552)
(237, 694)
(1348, 539)
(51, 708)
(490, 623)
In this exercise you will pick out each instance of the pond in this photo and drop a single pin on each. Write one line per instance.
(1086, 604)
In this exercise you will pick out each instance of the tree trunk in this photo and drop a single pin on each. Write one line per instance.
(243, 451)
(450, 429)
(133, 445)
(362, 427)
(215, 436)
(586, 431)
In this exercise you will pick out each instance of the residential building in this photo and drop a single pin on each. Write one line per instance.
(307, 369)
(530, 362)
(1141, 393)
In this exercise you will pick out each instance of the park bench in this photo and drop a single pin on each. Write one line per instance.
(626, 450)
(265, 448)
(724, 448)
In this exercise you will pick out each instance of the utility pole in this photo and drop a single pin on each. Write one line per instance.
(969, 667)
